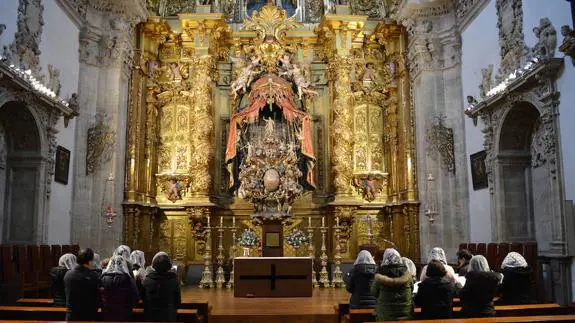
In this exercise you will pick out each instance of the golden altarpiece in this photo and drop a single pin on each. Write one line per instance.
(347, 82)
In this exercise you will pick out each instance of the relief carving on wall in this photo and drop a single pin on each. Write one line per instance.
(374, 9)
(441, 137)
(511, 39)
(101, 141)
(25, 49)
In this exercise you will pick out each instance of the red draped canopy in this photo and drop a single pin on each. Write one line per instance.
(272, 87)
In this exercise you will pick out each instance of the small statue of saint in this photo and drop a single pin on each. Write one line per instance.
(270, 127)
(369, 76)
(369, 188)
(174, 190)
(175, 74)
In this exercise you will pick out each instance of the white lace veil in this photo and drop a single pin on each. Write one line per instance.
(117, 265)
(437, 254)
(514, 260)
(123, 251)
(137, 258)
(410, 265)
(478, 263)
(391, 257)
(67, 260)
(364, 257)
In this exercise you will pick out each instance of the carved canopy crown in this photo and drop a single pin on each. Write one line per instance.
(269, 22)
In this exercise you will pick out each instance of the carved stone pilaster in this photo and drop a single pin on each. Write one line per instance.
(511, 39)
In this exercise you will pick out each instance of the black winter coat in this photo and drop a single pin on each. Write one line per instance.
(478, 293)
(119, 295)
(161, 296)
(82, 294)
(462, 270)
(515, 287)
(435, 296)
(58, 289)
(358, 283)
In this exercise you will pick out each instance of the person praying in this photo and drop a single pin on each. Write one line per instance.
(516, 284)
(439, 255)
(410, 267)
(393, 287)
(435, 294)
(161, 290)
(138, 260)
(358, 281)
(82, 289)
(480, 289)
(125, 251)
(119, 291)
(463, 258)
(65, 263)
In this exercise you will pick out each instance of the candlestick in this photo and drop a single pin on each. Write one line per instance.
(323, 275)
(207, 280)
(337, 280)
(311, 251)
(323, 221)
(220, 279)
(232, 255)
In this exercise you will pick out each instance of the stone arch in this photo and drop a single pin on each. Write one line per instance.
(22, 180)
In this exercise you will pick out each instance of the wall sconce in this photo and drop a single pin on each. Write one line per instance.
(431, 203)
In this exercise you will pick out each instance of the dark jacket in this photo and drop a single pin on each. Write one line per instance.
(435, 297)
(82, 294)
(161, 296)
(358, 283)
(478, 293)
(462, 270)
(119, 295)
(58, 289)
(515, 287)
(393, 289)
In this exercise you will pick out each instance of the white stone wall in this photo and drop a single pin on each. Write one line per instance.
(8, 15)
(479, 49)
(59, 48)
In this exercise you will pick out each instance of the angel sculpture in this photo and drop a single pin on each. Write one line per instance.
(174, 190)
(246, 76)
(301, 82)
(369, 188)
(286, 65)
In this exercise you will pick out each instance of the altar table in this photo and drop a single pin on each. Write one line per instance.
(272, 277)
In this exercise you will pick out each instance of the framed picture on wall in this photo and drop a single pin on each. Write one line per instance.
(478, 170)
(62, 165)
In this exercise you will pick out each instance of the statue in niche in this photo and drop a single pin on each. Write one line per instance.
(152, 66)
(174, 190)
(369, 77)
(54, 79)
(547, 39)
(391, 70)
(568, 44)
(486, 81)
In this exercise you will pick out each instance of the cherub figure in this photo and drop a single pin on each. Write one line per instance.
(246, 77)
(286, 64)
(301, 82)
(369, 188)
(175, 74)
(174, 190)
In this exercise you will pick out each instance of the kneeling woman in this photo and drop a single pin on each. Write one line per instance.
(359, 279)
(393, 287)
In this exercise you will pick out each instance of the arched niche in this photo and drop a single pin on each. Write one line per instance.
(516, 175)
(21, 177)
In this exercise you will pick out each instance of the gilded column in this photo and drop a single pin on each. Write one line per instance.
(202, 132)
(341, 126)
(151, 143)
(134, 107)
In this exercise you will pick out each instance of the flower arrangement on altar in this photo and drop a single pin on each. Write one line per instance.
(296, 238)
(248, 239)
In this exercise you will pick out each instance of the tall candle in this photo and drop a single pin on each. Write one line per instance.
(221, 221)
(233, 221)
(337, 221)
(309, 221)
(208, 217)
(323, 221)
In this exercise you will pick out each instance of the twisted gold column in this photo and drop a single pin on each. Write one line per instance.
(341, 127)
(202, 133)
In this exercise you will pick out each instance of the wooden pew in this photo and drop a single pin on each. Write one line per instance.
(366, 315)
(59, 313)
(539, 318)
(201, 307)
